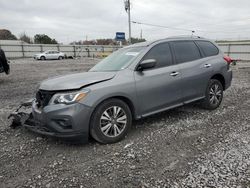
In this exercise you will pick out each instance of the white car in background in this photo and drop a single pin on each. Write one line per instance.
(49, 54)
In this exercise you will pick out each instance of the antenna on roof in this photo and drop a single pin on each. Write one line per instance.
(193, 33)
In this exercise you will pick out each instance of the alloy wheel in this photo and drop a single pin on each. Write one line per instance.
(113, 121)
(215, 94)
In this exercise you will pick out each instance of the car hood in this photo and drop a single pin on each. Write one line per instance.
(75, 81)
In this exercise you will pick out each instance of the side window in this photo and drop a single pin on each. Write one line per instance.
(208, 48)
(186, 51)
(161, 53)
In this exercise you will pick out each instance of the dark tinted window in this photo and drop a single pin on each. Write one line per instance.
(208, 48)
(161, 53)
(186, 51)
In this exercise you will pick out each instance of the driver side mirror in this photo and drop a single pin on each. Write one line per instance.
(146, 64)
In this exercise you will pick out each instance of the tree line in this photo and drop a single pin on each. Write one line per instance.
(106, 42)
(38, 38)
(45, 39)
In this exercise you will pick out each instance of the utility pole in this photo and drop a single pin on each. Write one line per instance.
(127, 8)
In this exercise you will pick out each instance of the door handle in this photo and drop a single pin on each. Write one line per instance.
(207, 65)
(174, 73)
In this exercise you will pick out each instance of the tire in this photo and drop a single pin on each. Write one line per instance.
(105, 126)
(42, 58)
(214, 95)
(60, 57)
(7, 71)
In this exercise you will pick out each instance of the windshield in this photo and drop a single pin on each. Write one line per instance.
(118, 60)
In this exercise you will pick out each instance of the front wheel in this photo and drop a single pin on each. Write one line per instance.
(110, 121)
(60, 57)
(42, 58)
(214, 95)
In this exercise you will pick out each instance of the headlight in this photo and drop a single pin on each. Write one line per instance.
(68, 98)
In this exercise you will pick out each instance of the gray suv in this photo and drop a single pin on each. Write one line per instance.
(132, 83)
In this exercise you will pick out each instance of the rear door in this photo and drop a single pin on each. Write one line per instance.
(55, 55)
(158, 88)
(195, 72)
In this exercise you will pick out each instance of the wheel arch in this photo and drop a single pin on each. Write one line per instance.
(125, 99)
(220, 78)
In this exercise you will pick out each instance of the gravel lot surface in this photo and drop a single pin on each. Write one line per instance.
(184, 147)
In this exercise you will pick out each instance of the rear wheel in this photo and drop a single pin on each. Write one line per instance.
(110, 121)
(214, 95)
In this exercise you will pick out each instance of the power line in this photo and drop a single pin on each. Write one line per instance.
(227, 21)
(190, 30)
(154, 25)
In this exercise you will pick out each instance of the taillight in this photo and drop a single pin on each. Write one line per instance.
(227, 59)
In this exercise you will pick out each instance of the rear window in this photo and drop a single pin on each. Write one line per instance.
(186, 51)
(208, 48)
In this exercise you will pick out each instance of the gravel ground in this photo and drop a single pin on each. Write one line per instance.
(183, 147)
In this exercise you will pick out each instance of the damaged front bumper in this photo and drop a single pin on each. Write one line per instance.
(65, 122)
(21, 114)
(36, 126)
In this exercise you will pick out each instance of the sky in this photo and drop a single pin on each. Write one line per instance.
(74, 20)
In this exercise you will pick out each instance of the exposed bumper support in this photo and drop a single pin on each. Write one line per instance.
(19, 117)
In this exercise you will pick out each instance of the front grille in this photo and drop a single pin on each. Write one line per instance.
(43, 98)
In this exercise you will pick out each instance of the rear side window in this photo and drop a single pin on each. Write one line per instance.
(186, 51)
(161, 53)
(208, 48)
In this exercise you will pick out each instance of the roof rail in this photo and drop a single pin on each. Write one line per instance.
(185, 36)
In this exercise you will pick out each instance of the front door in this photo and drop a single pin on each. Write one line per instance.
(49, 55)
(158, 88)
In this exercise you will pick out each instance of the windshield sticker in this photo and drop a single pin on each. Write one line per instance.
(132, 53)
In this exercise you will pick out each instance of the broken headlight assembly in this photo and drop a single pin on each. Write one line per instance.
(68, 98)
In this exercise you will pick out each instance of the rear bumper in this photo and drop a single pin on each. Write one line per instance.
(228, 78)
